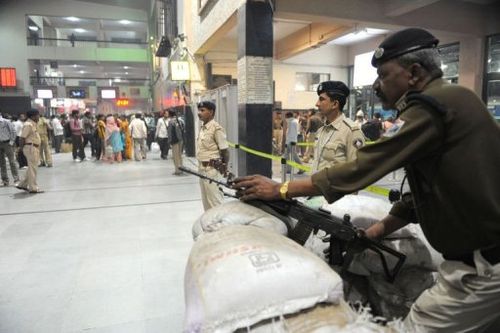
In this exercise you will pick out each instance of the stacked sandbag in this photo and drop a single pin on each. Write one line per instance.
(238, 213)
(241, 275)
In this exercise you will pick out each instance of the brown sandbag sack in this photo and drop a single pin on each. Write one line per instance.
(241, 275)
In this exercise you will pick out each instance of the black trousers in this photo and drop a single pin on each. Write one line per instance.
(78, 147)
(89, 138)
(164, 147)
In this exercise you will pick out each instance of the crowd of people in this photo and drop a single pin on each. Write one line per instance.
(111, 139)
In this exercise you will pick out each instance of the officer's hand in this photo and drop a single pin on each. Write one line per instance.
(256, 187)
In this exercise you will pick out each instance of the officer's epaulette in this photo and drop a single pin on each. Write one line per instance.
(352, 125)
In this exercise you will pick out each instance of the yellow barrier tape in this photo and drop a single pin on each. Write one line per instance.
(305, 144)
(372, 188)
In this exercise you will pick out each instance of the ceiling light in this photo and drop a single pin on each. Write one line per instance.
(126, 67)
(118, 79)
(72, 19)
(81, 72)
(124, 21)
(80, 30)
(358, 35)
(75, 66)
(33, 27)
(126, 73)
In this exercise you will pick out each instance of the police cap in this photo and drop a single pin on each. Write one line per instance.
(206, 105)
(335, 87)
(403, 42)
(32, 112)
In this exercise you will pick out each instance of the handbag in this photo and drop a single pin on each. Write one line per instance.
(155, 148)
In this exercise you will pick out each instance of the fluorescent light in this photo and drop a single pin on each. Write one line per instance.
(126, 73)
(81, 72)
(75, 66)
(118, 79)
(126, 67)
(80, 30)
(358, 36)
(72, 19)
(33, 27)
(124, 21)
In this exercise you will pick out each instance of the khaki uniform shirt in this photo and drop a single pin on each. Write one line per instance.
(43, 126)
(211, 139)
(337, 142)
(452, 164)
(30, 132)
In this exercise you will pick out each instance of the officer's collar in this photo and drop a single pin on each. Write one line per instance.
(335, 124)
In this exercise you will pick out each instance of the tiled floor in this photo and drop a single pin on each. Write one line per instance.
(102, 250)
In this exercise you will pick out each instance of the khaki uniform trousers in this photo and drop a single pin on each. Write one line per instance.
(45, 154)
(210, 194)
(33, 157)
(464, 299)
(139, 149)
(311, 137)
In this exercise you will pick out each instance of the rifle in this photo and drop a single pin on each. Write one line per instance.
(345, 239)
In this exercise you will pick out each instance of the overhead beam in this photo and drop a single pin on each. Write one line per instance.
(218, 35)
(399, 8)
(312, 36)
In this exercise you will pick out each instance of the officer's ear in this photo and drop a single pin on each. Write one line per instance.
(416, 73)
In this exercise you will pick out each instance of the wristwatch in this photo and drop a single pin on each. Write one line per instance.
(284, 190)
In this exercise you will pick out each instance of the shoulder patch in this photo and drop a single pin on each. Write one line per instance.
(351, 124)
(358, 143)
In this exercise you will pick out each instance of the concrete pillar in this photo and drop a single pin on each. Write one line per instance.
(471, 63)
(255, 85)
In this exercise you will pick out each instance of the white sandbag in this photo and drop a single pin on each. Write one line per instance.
(363, 210)
(236, 213)
(241, 275)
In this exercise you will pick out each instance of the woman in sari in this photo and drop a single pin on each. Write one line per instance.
(114, 145)
(127, 139)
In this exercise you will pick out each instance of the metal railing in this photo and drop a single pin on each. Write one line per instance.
(76, 42)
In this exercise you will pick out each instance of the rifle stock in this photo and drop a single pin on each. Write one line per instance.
(345, 239)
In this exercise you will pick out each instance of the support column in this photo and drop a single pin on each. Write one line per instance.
(255, 85)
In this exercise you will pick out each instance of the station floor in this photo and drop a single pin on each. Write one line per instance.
(102, 250)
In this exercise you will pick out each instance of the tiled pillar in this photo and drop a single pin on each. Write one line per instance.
(255, 85)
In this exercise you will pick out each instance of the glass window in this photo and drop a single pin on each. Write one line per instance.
(492, 77)
(309, 81)
(449, 61)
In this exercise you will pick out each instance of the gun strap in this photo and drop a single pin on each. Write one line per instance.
(301, 232)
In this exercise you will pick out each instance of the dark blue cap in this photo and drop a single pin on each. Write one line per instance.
(206, 105)
(403, 42)
(335, 87)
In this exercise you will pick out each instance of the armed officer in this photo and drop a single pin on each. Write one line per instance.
(29, 143)
(457, 205)
(212, 154)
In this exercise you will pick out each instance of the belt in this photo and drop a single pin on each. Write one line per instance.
(205, 163)
(492, 255)
(32, 144)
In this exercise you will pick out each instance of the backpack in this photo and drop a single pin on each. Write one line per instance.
(372, 129)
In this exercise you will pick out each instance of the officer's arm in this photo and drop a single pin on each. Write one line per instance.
(384, 227)
(21, 142)
(224, 153)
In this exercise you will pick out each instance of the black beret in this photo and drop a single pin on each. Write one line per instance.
(335, 87)
(32, 112)
(403, 42)
(206, 105)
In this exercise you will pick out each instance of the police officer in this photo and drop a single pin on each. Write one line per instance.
(44, 128)
(29, 143)
(339, 138)
(212, 154)
(448, 143)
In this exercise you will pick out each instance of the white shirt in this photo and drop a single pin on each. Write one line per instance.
(292, 130)
(138, 129)
(57, 127)
(161, 128)
(18, 125)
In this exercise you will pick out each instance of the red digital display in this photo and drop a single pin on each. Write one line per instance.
(8, 77)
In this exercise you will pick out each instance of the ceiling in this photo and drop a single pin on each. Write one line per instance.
(134, 4)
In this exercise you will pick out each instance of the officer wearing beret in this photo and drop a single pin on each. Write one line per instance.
(338, 140)
(29, 143)
(212, 154)
(439, 128)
